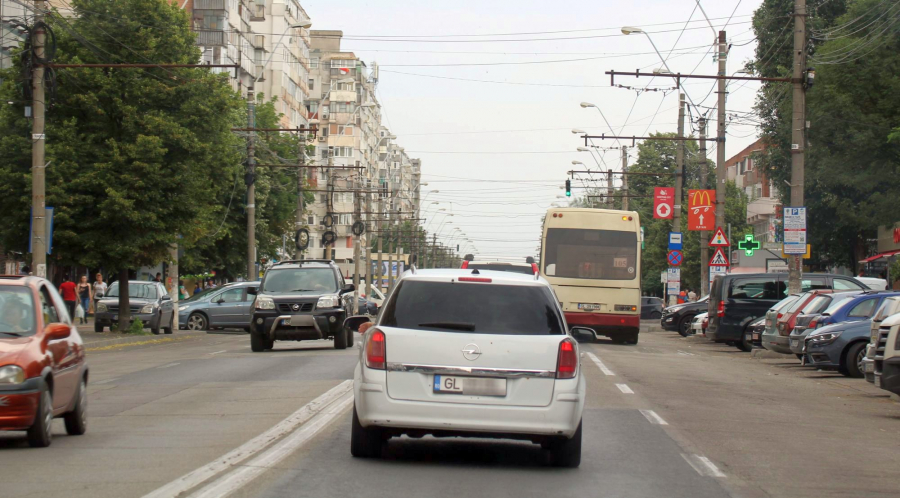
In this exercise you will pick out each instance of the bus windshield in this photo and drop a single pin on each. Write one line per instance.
(590, 254)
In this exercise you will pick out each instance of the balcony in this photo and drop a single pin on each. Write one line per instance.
(257, 12)
(210, 4)
(211, 38)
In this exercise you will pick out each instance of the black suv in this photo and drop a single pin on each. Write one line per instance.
(301, 300)
(678, 317)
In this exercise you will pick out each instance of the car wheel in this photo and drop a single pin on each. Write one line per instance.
(799, 356)
(746, 342)
(40, 434)
(270, 343)
(853, 360)
(257, 343)
(567, 452)
(340, 339)
(98, 327)
(655, 315)
(684, 326)
(631, 338)
(168, 330)
(76, 420)
(155, 331)
(365, 442)
(196, 322)
(349, 337)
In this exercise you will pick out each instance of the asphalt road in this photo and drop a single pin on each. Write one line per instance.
(199, 415)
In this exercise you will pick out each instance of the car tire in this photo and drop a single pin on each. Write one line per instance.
(746, 342)
(655, 315)
(40, 434)
(340, 339)
(799, 356)
(567, 452)
(155, 331)
(196, 321)
(684, 326)
(853, 360)
(631, 339)
(76, 420)
(365, 442)
(257, 343)
(98, 327)
(168, 330)
(270, 343)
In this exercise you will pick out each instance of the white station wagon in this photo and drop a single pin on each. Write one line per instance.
(469, 353)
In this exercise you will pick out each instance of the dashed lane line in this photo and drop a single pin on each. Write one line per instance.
(624, 388)
(600, 365)
(702, 465)
(653, 417)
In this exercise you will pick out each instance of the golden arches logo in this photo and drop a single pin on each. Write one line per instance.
(697, 201)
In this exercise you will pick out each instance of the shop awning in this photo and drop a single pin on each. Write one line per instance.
(885, 254)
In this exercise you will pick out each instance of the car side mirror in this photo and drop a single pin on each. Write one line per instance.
(220, 301)
(57, 331)
(252, 290)
(166, 297)
(582, 334)
(355, 322)
(348, 288)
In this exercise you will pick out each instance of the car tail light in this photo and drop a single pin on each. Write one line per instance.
(779, 316)
(375, 350)
(720, 312)
(813, 324)
(534, 268)
(474, 279)
(465, 264)
(567, 363)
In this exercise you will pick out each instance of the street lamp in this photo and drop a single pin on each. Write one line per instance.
(585, 105)
(627, 30)
(579, 131)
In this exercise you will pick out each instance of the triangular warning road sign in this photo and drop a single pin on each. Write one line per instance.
(719, 258)
(719, 239)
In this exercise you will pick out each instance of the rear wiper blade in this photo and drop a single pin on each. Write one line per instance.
(450, 325)
(302, 290)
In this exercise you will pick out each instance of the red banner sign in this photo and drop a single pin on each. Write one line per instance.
(701, 209)
(663, 202)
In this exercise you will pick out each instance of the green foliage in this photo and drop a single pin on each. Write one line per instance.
(136, 328)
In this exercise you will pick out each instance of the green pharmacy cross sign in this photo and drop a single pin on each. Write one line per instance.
(749, 244)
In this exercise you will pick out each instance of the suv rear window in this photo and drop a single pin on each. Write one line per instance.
(479, 308)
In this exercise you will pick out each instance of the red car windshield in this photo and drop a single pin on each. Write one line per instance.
(16, 311)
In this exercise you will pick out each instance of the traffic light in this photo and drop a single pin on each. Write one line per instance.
(568, 188)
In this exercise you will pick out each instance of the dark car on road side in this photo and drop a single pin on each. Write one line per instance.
(737, 299)
(651, 308)
(222, 307)
(301, 300)
(43, 371)
(147, 301)
(840, 346)
(678, 318)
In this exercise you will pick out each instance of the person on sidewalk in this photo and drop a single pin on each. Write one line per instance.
(182, 292)
(67, 289)
(85, 296)
(99, 290)
(692, 296)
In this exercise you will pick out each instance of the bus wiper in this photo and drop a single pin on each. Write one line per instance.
(450, 325)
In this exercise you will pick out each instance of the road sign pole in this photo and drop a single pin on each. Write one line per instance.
(704, 252)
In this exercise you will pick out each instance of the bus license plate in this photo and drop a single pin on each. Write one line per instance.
(473, 386)
(590, 307)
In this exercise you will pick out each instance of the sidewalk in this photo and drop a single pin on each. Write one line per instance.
(107, 338)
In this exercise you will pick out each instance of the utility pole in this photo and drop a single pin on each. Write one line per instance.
(369, 271)
(172, 277)
(704, 237)
(609, 189)
(798, 133)
(38, 166)
(391, 244)
(301, 177)
(380, 272)
(356, 253)
(329, 204)
(720, 134)
(679, 167)
(250, 180)
(624, 178)
(433, 247)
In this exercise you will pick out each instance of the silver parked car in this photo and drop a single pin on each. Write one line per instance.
(223, 307)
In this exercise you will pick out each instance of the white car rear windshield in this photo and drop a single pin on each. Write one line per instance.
(481, 308)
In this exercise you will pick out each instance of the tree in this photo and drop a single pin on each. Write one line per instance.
(138, 157)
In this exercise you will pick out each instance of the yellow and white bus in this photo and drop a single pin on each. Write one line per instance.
(592, 257)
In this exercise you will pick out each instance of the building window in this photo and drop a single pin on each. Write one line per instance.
(344, 87)
(312, 84)
(345, 219)
(345, 130)
(314, 63)
(342, 151)
(342, 63)
(311, 219)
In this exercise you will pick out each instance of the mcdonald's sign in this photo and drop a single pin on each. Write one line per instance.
(701, 209)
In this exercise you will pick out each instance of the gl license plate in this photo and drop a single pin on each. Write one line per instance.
(869, 367)
(115, 318)
(588, 306)
(756, 336)
(472, 386)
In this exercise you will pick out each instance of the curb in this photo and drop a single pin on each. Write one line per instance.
(115, 339)
(765, 354)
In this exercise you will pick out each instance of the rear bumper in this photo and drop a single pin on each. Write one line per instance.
(798, 342)
(890, 375)
(375, 408)
(604, 321)
(18, 406)
(776, 343)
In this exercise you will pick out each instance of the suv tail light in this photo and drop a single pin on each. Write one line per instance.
(465, 264)
(375, 350)
(720, 311)
(567, 362)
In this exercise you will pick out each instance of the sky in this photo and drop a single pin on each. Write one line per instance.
(495, 137)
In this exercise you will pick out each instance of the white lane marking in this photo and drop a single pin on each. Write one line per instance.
(703, 465)
(217, 352)
(652, 416)
(169, 365)
(624, 388)
(600, 365)
(107, 381)
(685, 353)
(253, 446)
(243, 474)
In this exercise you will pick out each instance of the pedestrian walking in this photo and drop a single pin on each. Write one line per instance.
(692, 296)
(210, 284)
(99, 290)
(67, 289)
(182, 292)
(158, 277)
(85, 296)
(198, 288)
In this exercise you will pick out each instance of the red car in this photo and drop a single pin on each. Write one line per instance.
(43, 372)
(786, 319)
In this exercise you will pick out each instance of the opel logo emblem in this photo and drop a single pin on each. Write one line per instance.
(295, 307)
(471, 352)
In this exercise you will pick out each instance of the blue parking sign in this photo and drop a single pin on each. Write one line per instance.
(675, 241)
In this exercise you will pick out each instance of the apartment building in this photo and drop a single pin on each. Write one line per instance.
(13, 20)
(764, 208)
(225, 36)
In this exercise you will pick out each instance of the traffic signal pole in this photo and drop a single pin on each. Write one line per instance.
(798, 135)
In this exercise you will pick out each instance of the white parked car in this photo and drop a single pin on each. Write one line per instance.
(699, 323)
(469, 353)
(376, 296)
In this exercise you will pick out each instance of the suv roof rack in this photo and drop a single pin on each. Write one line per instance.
(301, 261)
